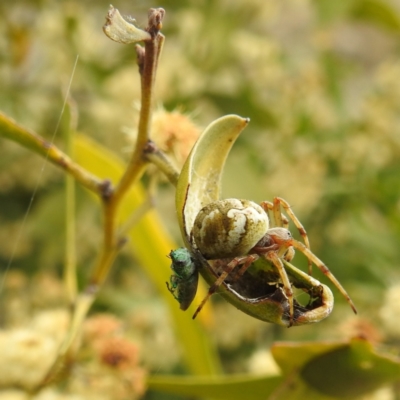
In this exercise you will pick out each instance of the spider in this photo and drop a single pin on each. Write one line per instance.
(239, 233)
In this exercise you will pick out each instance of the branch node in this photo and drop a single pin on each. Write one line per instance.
(150, 148)
(140, 53)
(156, 16)
(91, 289)
(106, 190)
(121, 242)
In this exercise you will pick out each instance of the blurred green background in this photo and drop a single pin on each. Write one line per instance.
(319, 81)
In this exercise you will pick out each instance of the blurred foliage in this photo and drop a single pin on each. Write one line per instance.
(319, 80)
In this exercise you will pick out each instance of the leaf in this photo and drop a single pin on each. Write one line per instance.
(233, 387)
(338, 369)
(121, 31)
(351, 370)
(312, 371)
(377, 12)
(151, 244)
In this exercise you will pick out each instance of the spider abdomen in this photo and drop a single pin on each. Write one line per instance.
(229, 228)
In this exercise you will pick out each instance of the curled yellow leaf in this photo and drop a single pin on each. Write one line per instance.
(121, 31)
(200, 180)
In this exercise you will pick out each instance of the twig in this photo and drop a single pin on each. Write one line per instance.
(32, 141)
(136, 166)
(161, 161)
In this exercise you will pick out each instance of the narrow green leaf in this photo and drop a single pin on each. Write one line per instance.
(151, 244)
(234, 387)
(377, 12)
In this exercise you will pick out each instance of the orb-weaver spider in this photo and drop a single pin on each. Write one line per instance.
(238, 232)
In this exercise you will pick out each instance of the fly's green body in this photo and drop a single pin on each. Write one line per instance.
(183, 283)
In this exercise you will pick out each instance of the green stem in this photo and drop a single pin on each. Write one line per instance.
(70, 248)
(162, 162)
(112, 242)
(32, 141)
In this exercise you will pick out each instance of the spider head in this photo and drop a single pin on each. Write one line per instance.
(275, 239)
(280, 236)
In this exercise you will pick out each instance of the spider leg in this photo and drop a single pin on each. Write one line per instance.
(274, 258)
(245, 260)
(279, 220)
(269, 209)
(289, 254)
(278, 202)
(324, 269)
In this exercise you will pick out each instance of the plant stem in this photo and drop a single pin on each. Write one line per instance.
(70, 276)
(161, 161)
(148, 62)
(112, 242)
(32, 141)
(137, 162)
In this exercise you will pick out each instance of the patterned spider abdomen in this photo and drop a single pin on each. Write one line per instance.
(229, 228)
